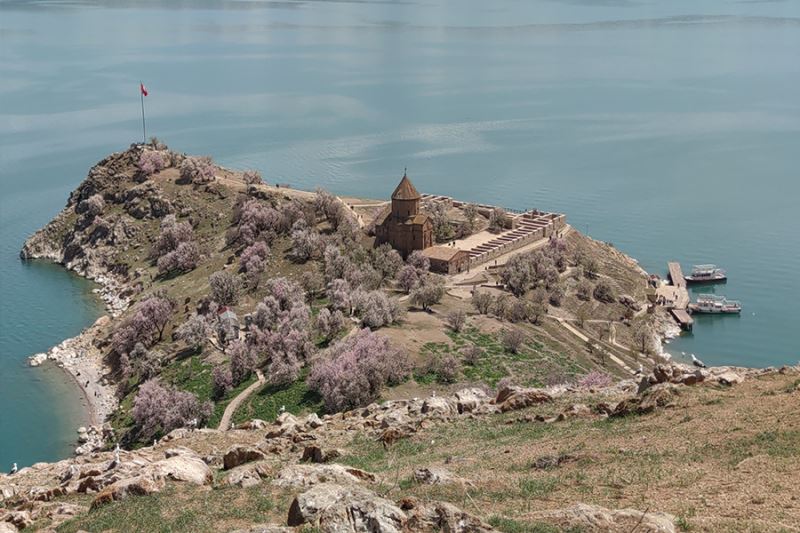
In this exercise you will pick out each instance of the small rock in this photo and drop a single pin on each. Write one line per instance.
(239, 455)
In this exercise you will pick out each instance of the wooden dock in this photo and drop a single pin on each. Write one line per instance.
(676, 274)
(684, 319)
(676, 296)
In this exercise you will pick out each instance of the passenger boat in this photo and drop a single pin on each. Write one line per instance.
(706, 274)
(713, 304)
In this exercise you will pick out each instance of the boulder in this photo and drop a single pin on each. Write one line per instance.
(315, 454)
(593, 518)
(239, 455)
(265, 528)
(468, 400)
(306, 475)
(438, 405)
(18, 519)
(179, 450)
(7, 527)
(513, 398)
(313, 421)
(142, 485)
(7, 491)
(729, 378)
(440, 516)
(345, 509)
(255, 423)
(184, 468)
(435, 476)
(248, 475)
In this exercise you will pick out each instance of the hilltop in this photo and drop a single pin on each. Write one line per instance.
(235, 303)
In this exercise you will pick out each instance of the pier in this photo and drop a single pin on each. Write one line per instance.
(675, 297)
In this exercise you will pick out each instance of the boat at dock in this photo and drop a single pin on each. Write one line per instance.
(713, 304)
(706, 274)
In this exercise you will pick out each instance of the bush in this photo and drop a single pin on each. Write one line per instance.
(483, 302)
(197, 170)
(556, 296)
(446, 367)
(151, 161)
(595, 380)
(497, 219)
(472, 354)
(92, 206)
(456, 320)
(584, 290)
(252, 177)
(224, 288)
(353, 371)
(513, 340)
(604, 292)
(158, 409)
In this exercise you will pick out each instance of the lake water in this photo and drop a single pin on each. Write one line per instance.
(671, 129)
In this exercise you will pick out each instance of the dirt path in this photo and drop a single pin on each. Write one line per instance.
(225, 423)
(584, 338)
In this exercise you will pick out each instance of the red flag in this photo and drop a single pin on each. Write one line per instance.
(143, 89)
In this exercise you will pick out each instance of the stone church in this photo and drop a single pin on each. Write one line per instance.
(404, 227)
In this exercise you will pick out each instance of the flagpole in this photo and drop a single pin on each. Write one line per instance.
(144, 129)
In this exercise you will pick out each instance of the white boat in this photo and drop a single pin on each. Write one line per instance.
(713, 304)
(706, 274)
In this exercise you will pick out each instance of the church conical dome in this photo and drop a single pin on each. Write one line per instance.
(405, 190)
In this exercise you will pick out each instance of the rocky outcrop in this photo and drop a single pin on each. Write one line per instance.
(593, 518)
(239, 455)
(300, 476)
(514, 398)
(354, 509)
(341, 509)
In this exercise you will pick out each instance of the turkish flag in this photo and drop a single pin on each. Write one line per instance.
(143, 89)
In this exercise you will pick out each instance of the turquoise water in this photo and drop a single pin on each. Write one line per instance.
(668, 128)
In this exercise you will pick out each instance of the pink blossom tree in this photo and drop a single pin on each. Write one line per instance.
(386, 262)
(329, 324)
(408, 278)
(221, 381)
(256, 222)
(145, 324)
(429, 291)
(194, 332)
(197, 170)
(353, 371)
(151, 161)
(242, 361)
(224, 287)
(419, 261)
(253, 262)
(252, 177)
(307, 243)
(158, 409)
